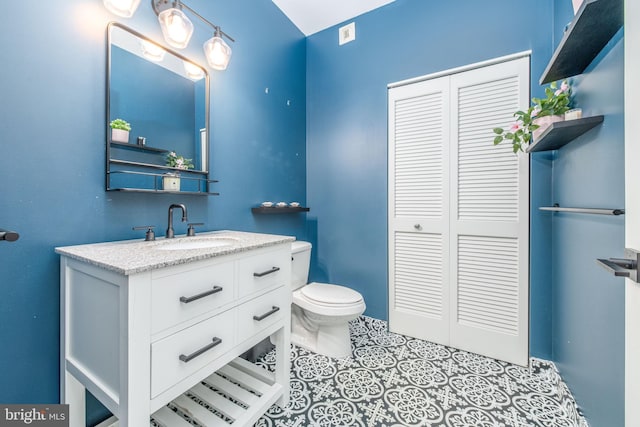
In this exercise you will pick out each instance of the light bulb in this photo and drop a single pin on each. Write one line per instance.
(176, 27)
(124, 8)
(193, 71)
(218, 53)
(152, 51)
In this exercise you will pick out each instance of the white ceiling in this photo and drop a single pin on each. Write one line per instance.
(311, 16)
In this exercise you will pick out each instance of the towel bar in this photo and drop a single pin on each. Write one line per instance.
(583, 210)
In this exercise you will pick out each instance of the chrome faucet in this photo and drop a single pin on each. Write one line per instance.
(170, 234)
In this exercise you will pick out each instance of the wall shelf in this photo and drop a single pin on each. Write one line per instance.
(136, 147)
(559, 134)
(591, 29)
(276, 210)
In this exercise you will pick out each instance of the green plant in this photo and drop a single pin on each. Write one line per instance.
(178, 162)
(120, 124)
(557, 102)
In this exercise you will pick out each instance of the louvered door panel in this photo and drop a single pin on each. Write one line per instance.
(480, 164)
(418, 210)
(418, 274)
(488, 283)
(418, 156)
(489, 231)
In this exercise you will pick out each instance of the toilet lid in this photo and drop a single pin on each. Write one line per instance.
(331, 294)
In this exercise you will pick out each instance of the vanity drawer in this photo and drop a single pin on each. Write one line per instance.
(183, 353)
(267, 270)
(184, 295)
(263, 311)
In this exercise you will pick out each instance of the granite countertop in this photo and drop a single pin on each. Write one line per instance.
(136, 256)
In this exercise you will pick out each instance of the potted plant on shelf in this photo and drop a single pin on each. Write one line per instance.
(171, 180)
(531, 123)
(120, 130)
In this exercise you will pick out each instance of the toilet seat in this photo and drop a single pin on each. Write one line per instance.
(324, 293)
(329, 300)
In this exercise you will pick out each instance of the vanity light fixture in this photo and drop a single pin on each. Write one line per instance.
(124, 8)
(177, 30)
(152, 51)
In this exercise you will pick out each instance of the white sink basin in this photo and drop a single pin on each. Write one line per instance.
(189, 243)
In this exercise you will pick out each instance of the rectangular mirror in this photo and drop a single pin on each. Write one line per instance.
(164, 97)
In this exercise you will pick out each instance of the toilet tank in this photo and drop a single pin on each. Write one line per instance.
(300, 259)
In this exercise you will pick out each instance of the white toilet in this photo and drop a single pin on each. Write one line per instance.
(320, 312)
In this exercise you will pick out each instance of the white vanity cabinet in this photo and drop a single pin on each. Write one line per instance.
(144, 334)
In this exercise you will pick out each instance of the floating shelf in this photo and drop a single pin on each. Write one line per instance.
(276, 210)
(591, 29)
(559, 134)
(136, 147)
(596, 211)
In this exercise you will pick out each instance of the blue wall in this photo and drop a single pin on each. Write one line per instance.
(53, 134)
(347, 129)
(588, 302)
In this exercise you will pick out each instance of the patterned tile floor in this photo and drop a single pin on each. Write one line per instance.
(395, 381)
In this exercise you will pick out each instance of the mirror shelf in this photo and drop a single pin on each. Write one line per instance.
(193, 185)
(128, 146)
(185, 193)
(152, 166)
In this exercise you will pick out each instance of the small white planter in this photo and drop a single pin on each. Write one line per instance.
(120, 135)
(574, 114)
(171, 182)
(544, 123)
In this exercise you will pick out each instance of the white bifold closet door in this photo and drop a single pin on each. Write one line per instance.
(459, 212)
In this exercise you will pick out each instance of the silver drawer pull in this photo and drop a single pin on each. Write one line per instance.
(197, 353)
(274, 309)
(264, 273)
(187, 300)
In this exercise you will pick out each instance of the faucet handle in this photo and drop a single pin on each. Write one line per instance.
(150, 235)
(190, 230)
